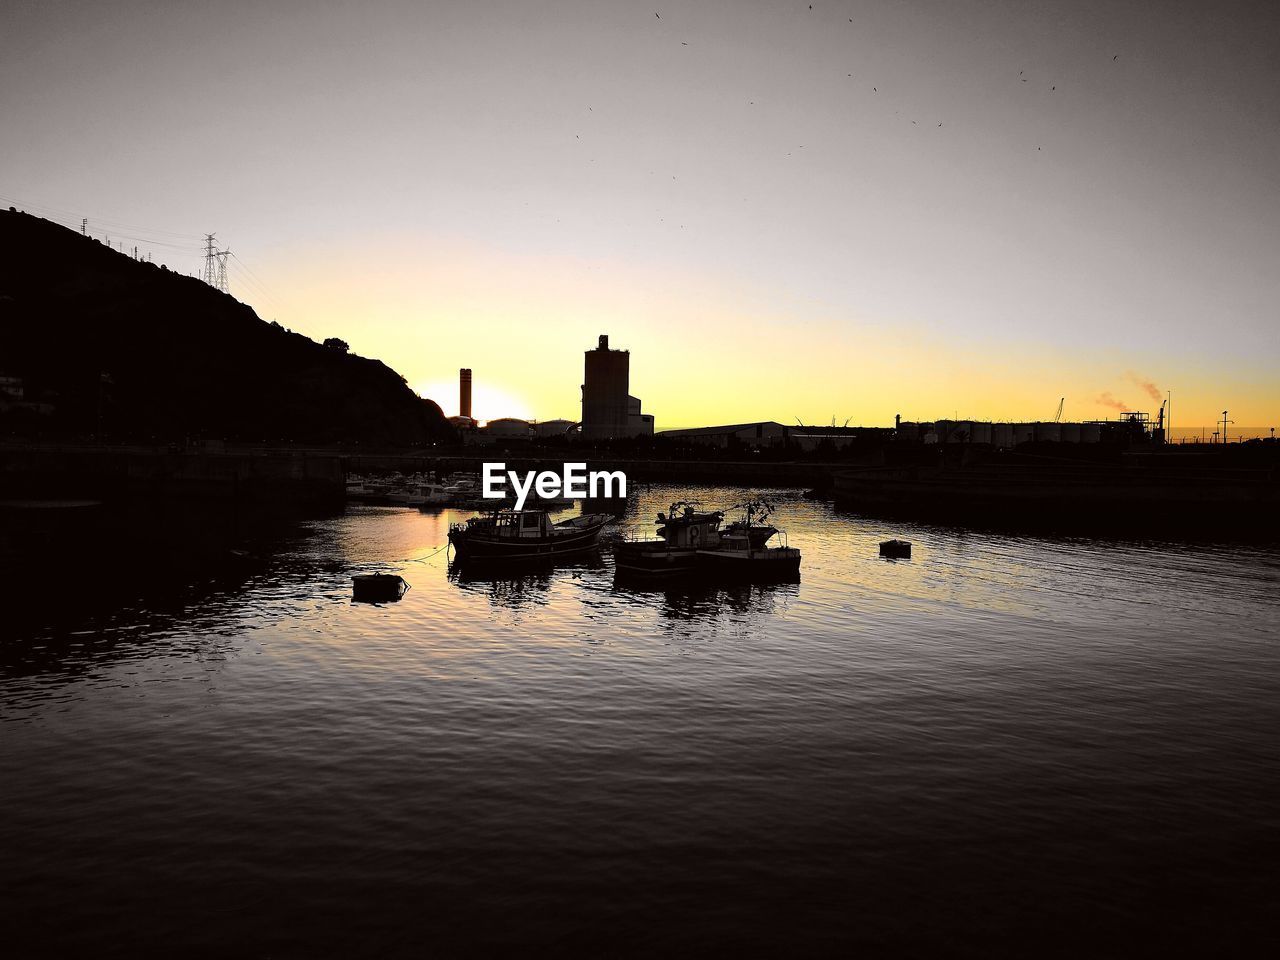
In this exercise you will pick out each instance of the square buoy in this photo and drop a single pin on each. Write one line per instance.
(378, 588)
(896, 549)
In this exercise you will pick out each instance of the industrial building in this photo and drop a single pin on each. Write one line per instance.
(464, 421)
(764, 433)
(770, 433)
(464, 392)
(503, 428)
(552, 429)
(1130, 427)
(609, 412)
(508, 428)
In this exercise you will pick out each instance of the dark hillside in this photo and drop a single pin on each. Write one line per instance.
(100, 341)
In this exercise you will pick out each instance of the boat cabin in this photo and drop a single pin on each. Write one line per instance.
(689, 528)
(514, 524)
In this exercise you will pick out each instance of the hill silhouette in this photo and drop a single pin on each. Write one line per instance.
(102, 342)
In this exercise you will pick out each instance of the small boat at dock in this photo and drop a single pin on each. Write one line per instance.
(692, 541)
(524, 534)
(415, 491)
(742, 551)
(682, 531)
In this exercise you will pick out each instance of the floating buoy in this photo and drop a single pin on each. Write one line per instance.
(896, 549)
(378, 588)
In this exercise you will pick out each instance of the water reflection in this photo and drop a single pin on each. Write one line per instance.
(696, 601)
(518, 583)
(133, 579)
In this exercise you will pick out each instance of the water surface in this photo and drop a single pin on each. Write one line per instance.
(1004, 745)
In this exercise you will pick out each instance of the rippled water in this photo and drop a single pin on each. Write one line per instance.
(1007, 744)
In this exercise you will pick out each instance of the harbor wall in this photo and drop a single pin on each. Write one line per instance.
(1167, 496)
(302, 481)
(733, 473)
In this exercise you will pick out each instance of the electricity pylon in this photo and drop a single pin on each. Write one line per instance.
(215, 264)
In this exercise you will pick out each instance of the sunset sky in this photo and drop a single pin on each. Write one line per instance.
(858, 210)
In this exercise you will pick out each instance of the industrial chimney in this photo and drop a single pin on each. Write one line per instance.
(464, 392)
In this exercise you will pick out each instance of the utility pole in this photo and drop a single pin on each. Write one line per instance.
(1225, 421)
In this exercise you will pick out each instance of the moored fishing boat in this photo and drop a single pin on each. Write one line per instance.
(682, 531)
(691, 541)
(520, 534)
(742, 550)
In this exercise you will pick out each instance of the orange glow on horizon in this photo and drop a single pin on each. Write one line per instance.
(712, 349)
(488, 401)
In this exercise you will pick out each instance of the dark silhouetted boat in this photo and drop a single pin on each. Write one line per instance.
(523, 534)
(742, 550)
(691, 541)
(682, 531)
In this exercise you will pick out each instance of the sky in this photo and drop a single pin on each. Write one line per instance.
(853, 211)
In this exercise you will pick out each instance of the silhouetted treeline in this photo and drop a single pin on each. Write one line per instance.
(102, 344)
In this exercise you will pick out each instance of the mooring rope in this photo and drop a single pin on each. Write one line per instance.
(428, 556)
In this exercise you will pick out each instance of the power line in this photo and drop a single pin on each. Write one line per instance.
(256, 281)
(218, 264)
(116, 226)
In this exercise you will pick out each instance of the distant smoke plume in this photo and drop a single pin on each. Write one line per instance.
(1107, 400)
(1152, 390)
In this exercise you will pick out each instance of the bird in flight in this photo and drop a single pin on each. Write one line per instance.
(874, 90)
(1115, 58)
